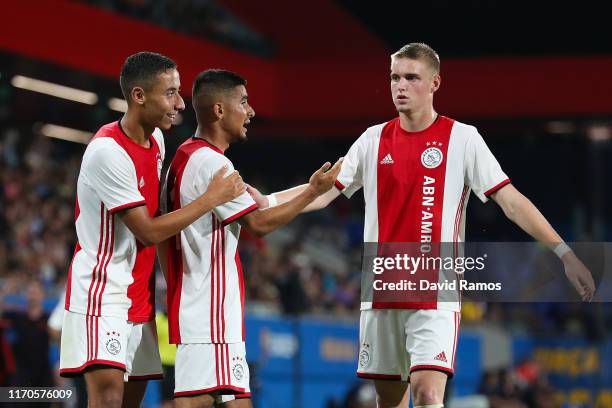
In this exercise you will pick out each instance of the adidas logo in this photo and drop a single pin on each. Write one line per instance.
(142, 183)
(387, 160)
(441, 357)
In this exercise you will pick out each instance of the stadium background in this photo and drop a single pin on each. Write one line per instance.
(535, 79)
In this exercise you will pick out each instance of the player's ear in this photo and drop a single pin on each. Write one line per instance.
(435, 83)
(218, 110)
(137, 95)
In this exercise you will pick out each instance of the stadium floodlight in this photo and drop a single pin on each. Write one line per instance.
(59, 91)
(117, 104)
(65, 133)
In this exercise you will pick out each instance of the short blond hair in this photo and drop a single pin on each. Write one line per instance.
(420, 51)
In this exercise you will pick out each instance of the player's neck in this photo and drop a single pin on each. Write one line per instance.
(211, 136)
(135, 130)
(417, 121)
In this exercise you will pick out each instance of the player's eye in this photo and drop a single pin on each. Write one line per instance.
(394, 78)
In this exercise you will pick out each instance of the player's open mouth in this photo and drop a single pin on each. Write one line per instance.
(172, 116)
(245, 124)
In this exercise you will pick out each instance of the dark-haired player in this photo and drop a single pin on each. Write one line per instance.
(417, 171)
(205, 283)
(108, 332)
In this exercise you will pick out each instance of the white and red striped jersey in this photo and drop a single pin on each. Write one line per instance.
(205, 281)
(416, 186)
(111, 273)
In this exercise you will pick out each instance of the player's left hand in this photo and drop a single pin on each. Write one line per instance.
(260, 199)
(579, 276)
(323, 179)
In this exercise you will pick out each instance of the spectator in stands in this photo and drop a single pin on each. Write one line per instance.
(31, 344)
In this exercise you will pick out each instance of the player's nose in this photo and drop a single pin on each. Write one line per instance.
(251, 113)
(180, 103)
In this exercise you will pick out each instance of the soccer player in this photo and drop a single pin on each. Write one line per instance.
(205, 280)
(423, 154)
(108, 332)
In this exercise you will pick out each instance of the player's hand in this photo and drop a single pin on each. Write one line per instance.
(579, 276)
(224, 188)
(324, 178)
(260, 199)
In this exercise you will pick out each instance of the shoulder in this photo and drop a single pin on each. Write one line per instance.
(103, 146)
(207, 161)
(105, 152)
(464, 131)
(374, 132)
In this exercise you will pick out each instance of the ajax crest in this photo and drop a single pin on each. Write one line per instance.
(237, 368)
(113, 346)
(364, 356)
(432, 157)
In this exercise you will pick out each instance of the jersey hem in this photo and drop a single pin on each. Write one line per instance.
(432, 367)
(131, 319)
(231, 388)
(373, 376)
(239, 214)
(202, 341)
(126, 206)
(77, 371)
(402, 306)
(159, 376)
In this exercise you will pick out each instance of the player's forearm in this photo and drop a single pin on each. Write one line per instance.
(172, 223)
(320, 202)
(151, 231)
(523, 213)
(269, 219)
(287, 195)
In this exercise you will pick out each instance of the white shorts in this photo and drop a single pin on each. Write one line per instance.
(206, 367)
(394, 343)
(109, 341)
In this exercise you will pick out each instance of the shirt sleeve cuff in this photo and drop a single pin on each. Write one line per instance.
(238, 215)
(496, 187)
(126, 206)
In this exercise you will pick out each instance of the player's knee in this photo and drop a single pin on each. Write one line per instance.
(426, 394)
(388, 398)
(200, 401)
(109, 397)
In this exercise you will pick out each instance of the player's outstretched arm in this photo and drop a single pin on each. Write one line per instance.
(154, 230)
(523, 213)
(262, 222)
(282, 197)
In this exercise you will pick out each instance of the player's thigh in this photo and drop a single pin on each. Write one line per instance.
(105, 386)
(194, 401)
(390, 393)
(133, 393)
(92, 341)
(142, 355)
(382, 351)
(206, 368)
(234, 401)
(431, 340)
(428, 386)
